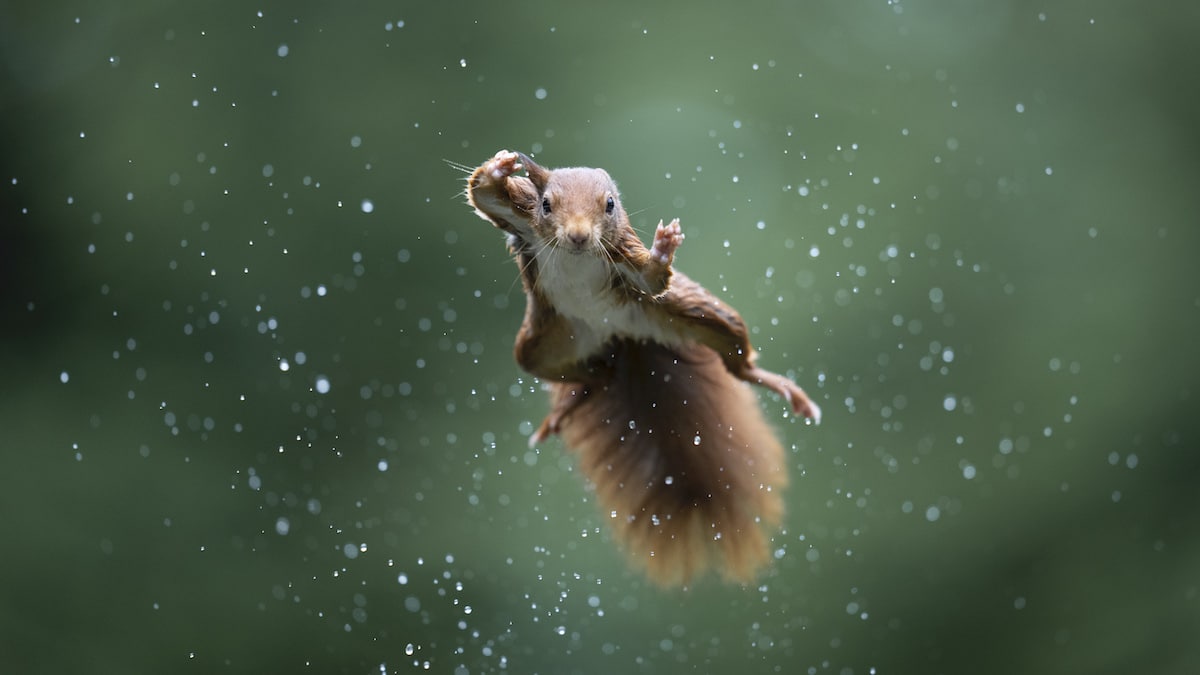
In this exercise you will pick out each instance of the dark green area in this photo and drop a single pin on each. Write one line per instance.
(970, 231)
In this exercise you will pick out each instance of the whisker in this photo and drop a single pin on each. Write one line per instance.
(608, 249)
(461, 167)
(533, 256)
(608, 255)
(520, 276)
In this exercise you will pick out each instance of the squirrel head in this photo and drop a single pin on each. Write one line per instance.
(576, 209)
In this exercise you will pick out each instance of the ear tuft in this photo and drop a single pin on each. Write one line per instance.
(539, 174)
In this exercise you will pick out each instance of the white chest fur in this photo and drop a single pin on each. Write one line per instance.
(579, 286)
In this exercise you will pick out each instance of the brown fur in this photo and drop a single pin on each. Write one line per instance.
(681, 460)
(663, 422)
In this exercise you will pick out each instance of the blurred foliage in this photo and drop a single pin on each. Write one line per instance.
(262, 413)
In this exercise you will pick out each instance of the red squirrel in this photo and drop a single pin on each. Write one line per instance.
(646, 370)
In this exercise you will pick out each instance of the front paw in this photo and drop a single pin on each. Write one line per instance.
(504, 164)
(667, 239)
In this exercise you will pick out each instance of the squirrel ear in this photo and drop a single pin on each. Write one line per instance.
(539, 174)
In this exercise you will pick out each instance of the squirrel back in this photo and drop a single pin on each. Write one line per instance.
(682, 461)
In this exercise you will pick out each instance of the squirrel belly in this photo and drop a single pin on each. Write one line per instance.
(682, 461)
(580, 289)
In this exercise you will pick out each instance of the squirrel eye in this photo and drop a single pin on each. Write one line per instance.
(609, 205)
(545, 205)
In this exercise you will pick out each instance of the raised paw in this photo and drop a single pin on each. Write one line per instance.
(667, 238)
(504, 164)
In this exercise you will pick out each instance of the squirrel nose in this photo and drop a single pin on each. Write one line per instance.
(578, 236)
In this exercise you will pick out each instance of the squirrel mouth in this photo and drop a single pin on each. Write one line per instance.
(573, 247)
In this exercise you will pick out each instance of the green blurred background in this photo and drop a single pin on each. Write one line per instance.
(261, 413)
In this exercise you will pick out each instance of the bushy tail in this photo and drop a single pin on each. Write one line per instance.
(681, 459)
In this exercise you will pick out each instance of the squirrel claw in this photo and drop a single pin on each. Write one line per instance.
(504, 164)
(801, 404)
(667, 239)
(810, 411)
(796, 399)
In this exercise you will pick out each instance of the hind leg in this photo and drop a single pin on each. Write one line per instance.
(718, 326)
(790, 391)
(564, 398)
